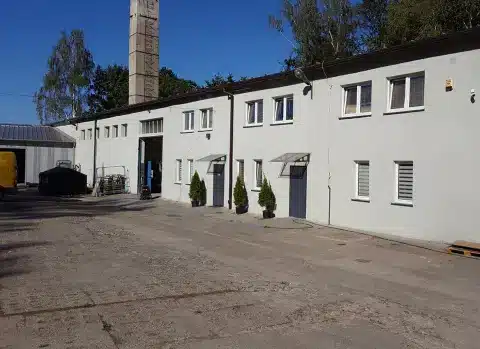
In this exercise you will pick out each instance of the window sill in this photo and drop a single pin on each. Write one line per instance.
(178, 183)
(205, 130)
(189, 131)
(402, 203)
(252, 125)
(276, 123)
(404, 110)
(256, 189)
(361, 199)
(355, 116)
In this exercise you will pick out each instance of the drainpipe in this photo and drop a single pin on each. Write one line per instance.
(95, 152)
(230, 154)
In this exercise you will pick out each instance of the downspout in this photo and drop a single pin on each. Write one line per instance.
(95, 152)
(230, 153)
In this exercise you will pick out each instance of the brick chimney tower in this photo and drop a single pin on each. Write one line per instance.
(143, 51)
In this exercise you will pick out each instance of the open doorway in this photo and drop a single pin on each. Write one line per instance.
(20, 155)
(150, 163)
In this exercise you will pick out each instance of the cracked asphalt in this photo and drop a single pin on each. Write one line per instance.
(121, 273)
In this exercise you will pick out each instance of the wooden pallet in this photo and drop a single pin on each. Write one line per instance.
(465, 248)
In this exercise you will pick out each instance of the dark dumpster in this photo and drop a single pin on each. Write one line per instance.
(62, 181)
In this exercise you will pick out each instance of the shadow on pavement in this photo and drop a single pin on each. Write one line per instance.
(16, 264)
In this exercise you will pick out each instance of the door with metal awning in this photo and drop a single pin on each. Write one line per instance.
(295, 168)
(216, 167)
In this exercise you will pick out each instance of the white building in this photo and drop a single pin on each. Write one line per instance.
(384, 142)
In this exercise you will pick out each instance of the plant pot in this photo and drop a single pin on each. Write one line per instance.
(241, 209)
(195, 203)
(268, 214)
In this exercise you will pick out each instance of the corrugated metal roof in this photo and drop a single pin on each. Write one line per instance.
(33, 133)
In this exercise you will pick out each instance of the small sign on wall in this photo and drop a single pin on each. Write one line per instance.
(449, 85)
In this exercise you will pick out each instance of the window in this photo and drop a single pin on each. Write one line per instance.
(82, 135)
(258, 178)
(190, 170)
(254, 113)
(90, 133)
(124, 130)
(178, 171)
(150, 126)
(407, 93)
(404, 182)
(207, 119)
(284, 109)
(241, 169)
(97, 132)
(357, 100)
(188, 121)
(115, 131)
(362, 190)
(107, 131)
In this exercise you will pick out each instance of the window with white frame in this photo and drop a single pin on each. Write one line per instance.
(362, 190)
(82, 135)
(152, 126)
(254, 113)
(241, 169)
(115, 131)
(404, 182)
(97, 131)
(207, 119)
(90, 131)
(124, 130)
(178, 171)
(190, 170)
(283, 109)
(188, 121)
(357, 100)
(107, 131)
(258, 174)
(407, 92)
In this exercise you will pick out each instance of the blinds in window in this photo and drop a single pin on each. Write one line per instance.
(405, 181)
(417, 85)
(363, 184)
(259, 174)
(241, 169)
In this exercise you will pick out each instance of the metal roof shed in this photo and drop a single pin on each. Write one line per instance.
(38, 148)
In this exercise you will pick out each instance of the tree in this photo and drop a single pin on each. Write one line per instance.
(169, 84)
(195, 192)
(218, 80)
(239, 193)
(109, 88)
(373, 17)
(322, 30)
(66, 84)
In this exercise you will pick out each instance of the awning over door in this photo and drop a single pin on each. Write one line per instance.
(214, 158)
(294, 159)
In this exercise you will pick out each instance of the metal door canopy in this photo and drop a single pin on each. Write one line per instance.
(213, 159)
(299, 159)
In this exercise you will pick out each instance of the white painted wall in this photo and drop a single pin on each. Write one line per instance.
(441, 140)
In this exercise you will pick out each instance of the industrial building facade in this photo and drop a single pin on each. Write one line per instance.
(384, 142)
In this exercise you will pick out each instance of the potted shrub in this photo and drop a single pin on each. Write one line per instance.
(240, 197)
(266, 199)
(203, 193)
(195, 190)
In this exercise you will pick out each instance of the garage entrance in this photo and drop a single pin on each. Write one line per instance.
(21, 163)
(150, 152)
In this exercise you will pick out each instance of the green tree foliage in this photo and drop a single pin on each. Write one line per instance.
(240, 193)
(266, 197)
(195, 192)
(109, 88)
(372, 16)
(169, 84)
(322, 30)
(66, 84)
(203, 193)
(218, 80)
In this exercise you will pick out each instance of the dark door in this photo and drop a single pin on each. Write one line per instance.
(218, 185)
(298, 191)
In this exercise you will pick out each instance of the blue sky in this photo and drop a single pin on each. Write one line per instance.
(197, 40)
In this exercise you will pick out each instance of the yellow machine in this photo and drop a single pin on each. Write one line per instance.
(8, 172)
